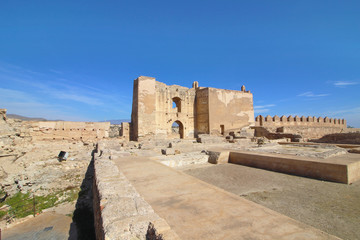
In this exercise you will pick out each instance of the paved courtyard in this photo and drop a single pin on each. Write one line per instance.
(331, 207)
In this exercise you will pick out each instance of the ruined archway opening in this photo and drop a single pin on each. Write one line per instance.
(177, 103)
(177, 130)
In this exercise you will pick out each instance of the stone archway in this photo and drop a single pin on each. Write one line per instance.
(177, 129)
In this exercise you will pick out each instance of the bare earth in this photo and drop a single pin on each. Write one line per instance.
(331, 207)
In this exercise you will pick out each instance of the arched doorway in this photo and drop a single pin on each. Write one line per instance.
(177, 129)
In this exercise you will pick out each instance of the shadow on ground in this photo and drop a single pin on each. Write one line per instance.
(82, 226)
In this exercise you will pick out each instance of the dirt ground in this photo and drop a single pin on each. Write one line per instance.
(49, 225)
(331, 207)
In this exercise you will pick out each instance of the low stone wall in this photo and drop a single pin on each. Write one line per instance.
(344, 138)
(309, 132)
(119, 211)
(336, 171)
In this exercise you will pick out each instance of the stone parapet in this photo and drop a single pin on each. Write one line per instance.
(268, 121)
(119, 211)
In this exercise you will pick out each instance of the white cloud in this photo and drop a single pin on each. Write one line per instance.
(37, 94)
(345, 111)
(263, 108)
(6, 94)
(311, 94)
(344, 83)
(24, 104)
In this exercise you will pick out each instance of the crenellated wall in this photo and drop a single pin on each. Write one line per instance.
(284, 121)
(306, 127)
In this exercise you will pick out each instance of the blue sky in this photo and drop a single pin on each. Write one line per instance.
(76, 60)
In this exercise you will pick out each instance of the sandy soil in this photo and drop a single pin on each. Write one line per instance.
(331, 207)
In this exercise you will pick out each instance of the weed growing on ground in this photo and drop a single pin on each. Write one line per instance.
(22, 204)
(2, 214)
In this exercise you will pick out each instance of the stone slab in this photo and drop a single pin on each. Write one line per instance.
(197, 210)
(343, 169)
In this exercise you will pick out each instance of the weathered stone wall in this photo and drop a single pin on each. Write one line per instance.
(197, 110)
(144, 108)
(174, 104)
(2, 114)
(125, 130)
(344, 138)
(306, 127)
(202, 111)
(63, 130)
(119, 211)
(231, 109)
(114, 130)
(7, 133)
(153, 113)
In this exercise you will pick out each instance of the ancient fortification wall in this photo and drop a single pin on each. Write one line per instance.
(284, 121)
(156, 106)
(197, 110)
(54, 130)
(307, 127)
(119, 211)
(63, 130)
(229, 110)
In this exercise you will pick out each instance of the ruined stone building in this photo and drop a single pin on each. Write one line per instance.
(197, 110)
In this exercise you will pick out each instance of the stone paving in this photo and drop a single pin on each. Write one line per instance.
(197, 210)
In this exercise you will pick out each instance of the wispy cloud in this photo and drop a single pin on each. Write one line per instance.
(345, 111)
(56, 71)
(312, 95)
(29, 89)
(344, 83)
(263, 108)
(352, 115)
(22, 103)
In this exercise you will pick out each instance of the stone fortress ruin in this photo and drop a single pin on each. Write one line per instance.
(205, 110)
(198, 110)
(145, 183)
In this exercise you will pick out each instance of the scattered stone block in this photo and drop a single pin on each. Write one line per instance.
(168, 151)
(209, 139)
(354, 150)
(218, 157)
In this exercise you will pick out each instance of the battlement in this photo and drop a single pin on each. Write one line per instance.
(297, 121)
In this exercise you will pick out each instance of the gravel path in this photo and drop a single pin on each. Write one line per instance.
(331, 207)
